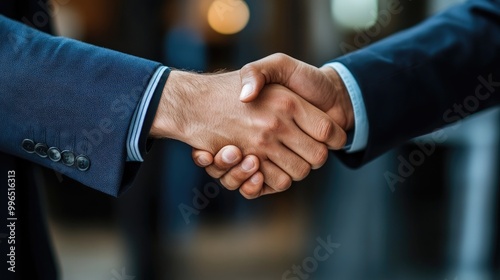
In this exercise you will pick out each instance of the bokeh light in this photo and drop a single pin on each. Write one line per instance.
(360, 14)
(228, 16)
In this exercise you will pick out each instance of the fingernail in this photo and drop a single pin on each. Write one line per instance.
(203, 161)
(247, 164)
(246, 91)
(255, 179)
(228, 156)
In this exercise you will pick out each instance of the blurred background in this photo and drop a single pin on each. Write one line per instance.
(438, 220)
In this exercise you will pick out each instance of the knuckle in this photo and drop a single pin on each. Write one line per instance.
(229, 182)
(280, 57)
(249, 70)
(261, 140)
(213, 172)
(219, 164)
(325, 129)
(283, 183)
(320, 156)
(273, 124)
(269, 126)
(302, 172)
(249, 192)
(341, 140)
(286, 104)
(234, 179)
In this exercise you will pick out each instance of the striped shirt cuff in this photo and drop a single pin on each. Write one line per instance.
(137, 124)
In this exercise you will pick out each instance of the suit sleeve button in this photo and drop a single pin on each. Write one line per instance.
(68, 158)
(41, 150)
(54, 154)
(28, 146)
(82, 163)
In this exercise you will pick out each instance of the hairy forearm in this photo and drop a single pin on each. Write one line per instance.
(198, 109)
(170, 121)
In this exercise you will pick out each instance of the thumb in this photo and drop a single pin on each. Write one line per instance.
(252, 81)
(273, 69)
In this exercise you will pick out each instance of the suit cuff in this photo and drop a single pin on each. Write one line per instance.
(144, 114)
(360, 138)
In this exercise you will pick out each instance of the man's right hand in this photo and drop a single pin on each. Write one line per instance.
(321, 87)
(283, 131)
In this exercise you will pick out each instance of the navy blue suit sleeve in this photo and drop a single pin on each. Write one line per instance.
(72, 96)
(428, 76)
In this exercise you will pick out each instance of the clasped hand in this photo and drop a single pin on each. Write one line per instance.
(287, 117)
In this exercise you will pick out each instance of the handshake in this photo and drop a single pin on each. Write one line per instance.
(259, 128)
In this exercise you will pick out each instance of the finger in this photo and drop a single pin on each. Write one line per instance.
(288, 161)
(276, 68)
(235, 177)
(202, 158)
(274, 177)
(319, 126)
(312, 151)
(253, 187)
(266, 190)
(228, 157)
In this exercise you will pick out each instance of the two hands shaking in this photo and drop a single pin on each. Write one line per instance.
(287, 117)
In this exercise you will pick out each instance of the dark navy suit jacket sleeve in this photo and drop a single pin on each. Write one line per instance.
(73, 96)
(428, 76)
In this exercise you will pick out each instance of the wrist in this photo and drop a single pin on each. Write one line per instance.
(191, 105)
(343, 108)
(169, 121)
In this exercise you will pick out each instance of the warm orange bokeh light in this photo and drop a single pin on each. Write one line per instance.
(228, 16)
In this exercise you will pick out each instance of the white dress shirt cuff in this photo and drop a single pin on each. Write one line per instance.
(360, 138)
(135, 129)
